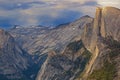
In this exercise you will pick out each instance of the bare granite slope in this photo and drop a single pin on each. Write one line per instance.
(101, 37)
(43, 39)
(12, 59)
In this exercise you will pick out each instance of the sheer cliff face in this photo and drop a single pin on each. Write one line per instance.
(104, 41)
(110, 23)
(101, 37)
(107, 22)
(12, 58)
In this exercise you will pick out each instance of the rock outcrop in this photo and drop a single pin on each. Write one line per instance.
(86, 49)
(67, 65)
(38, 40)
(101, 37)
(104, 41)
(13, 60)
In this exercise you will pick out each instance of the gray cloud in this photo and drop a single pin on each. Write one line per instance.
(19, 5)
(47, 12)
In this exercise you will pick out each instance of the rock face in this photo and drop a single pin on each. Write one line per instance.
(110, 22)
(38, 40)
(101, 37)
(104, 43)
(12, 59)
(86, 49)
(67, 65)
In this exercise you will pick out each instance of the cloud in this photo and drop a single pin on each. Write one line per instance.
(19, 5)
(47, 12)
(113, 3)
(63, 17)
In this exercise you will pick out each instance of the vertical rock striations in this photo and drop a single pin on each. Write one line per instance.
(67, 65)
(101, 37)
(105, 36)
(13, 60)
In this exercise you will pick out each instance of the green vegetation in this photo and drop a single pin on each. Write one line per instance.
(75, 46)
(114, 53)
(87, 55)
(67, 72)
(21, 79)
(112, 44)
(107, 72)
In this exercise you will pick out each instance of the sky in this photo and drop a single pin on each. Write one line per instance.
(47, 12)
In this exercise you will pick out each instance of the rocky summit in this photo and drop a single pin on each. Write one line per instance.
(85, 49)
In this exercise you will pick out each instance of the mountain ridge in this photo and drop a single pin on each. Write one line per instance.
(85, 49)
(38, 38)
(94, 42)
(12, 58)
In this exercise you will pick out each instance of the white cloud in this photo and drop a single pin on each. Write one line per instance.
(113, 3)
(51, 8)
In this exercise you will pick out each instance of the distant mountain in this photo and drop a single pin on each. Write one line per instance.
(44, 39)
